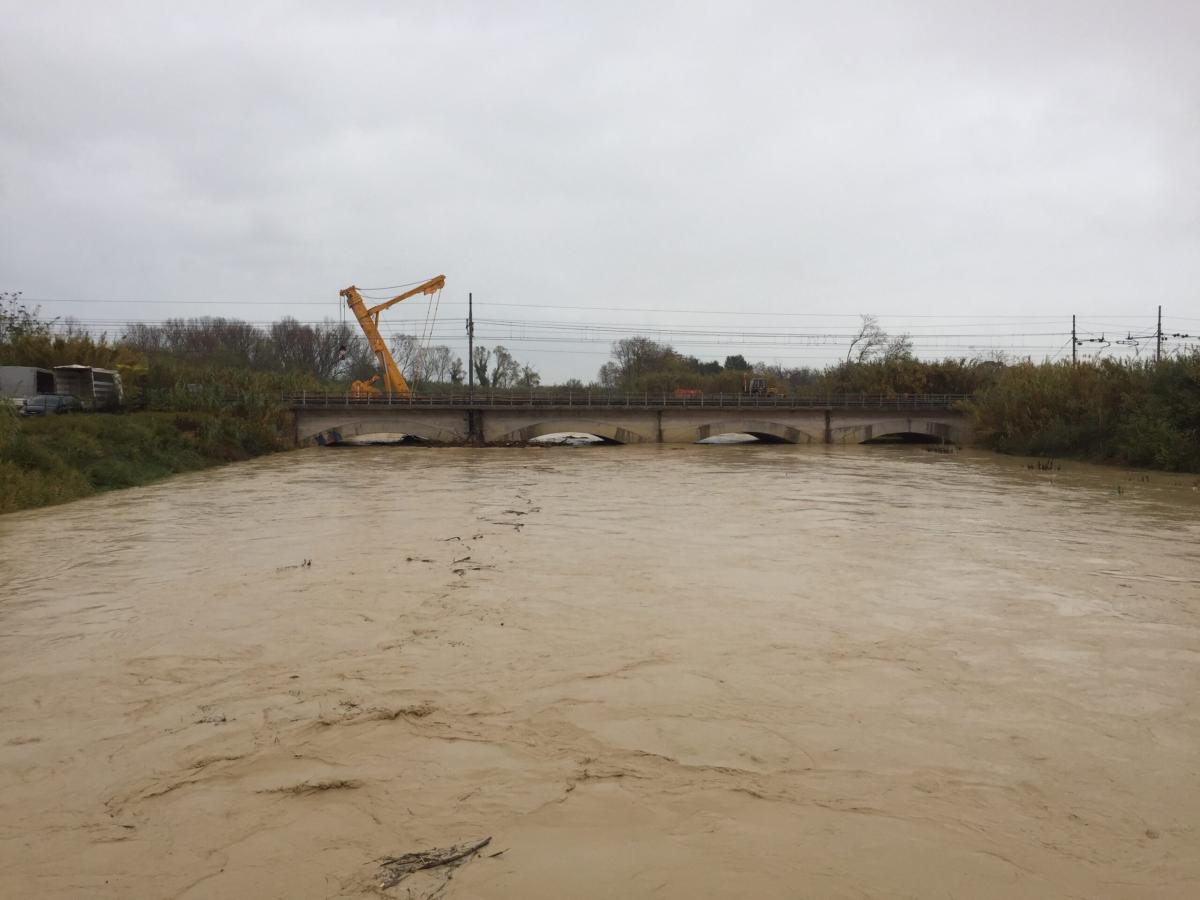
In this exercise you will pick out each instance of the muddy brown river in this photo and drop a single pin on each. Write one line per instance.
(662, 672)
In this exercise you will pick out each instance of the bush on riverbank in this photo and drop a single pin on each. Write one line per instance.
(906, 375)
(169, 384)
(1140, 414)
(58, 458)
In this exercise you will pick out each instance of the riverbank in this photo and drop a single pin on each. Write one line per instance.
(51, 460)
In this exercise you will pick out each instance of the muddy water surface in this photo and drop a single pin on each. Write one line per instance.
(670, 672)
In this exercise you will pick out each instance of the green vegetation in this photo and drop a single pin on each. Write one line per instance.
(884, 365)
(1129, 413)
(1138, 414)
(185, 410)
(57, 458)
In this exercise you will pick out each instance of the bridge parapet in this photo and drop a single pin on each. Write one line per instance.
(605, 399)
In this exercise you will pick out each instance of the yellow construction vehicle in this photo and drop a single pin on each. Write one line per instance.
(361, 389)
(757, 386)
(368, 320)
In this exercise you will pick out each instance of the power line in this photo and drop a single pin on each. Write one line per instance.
(806, 340)
(679, 310)
(569, 333)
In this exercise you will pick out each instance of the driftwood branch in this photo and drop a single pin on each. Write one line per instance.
(394, 869)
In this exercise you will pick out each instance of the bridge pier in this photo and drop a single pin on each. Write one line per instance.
(475, 426)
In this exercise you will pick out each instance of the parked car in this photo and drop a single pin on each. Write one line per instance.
(50, 404)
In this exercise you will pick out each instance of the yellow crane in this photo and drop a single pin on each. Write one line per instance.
(368, 320)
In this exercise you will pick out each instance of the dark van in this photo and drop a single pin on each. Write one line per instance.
(50, 404)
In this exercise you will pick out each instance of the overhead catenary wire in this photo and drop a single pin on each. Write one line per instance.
(439, 331)
(591, 333)
(586, 307)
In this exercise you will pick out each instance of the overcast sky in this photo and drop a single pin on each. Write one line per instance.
(906, 158)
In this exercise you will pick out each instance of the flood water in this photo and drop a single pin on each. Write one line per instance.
(664, 671)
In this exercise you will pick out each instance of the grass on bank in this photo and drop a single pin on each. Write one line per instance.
(59, 458)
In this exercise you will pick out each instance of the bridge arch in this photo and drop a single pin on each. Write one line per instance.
(340, 434)
(617, 434)
(919, 427)
(763, 429)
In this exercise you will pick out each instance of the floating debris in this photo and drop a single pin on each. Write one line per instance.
(315, 787)
(394, 869)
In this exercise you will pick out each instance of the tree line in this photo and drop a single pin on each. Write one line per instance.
(328, 352)
(876, 362)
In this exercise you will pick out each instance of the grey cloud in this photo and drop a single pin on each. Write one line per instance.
(904, 157)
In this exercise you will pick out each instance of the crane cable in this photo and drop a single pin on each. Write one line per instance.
(418, 362)
(433, 322)
(426, 339)
(344, 346)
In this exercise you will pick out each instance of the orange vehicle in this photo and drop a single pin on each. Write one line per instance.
(361, 389)
(687, 393)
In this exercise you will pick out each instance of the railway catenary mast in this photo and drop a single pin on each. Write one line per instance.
(368, 320)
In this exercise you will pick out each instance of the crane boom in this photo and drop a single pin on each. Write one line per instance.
(368, 320)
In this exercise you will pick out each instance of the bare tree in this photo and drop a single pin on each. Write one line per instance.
(213, 340)
(18, 320)
(406, 350)
(529, 377)
(637, 356)
(482, 357)
(298, 347)
(143, 338)
(358, 360)
(335, 348)
(899, 347)
(869, 340)
(70, 327)
(436, 363)
(506, 371)
(422, 364)
(609, 375)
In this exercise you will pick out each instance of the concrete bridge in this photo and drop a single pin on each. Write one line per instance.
(631, 419)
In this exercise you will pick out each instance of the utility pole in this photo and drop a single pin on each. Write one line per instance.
(1074, 343)
(470, 347)
(474, 416)
(1158, 336)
